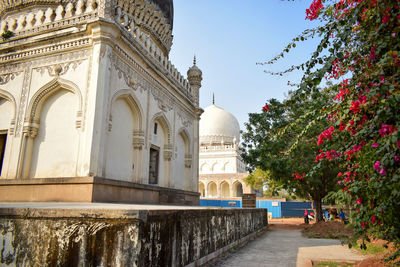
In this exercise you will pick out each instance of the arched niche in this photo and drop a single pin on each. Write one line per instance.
(7, 124)
(238, 189)
(225, 190)
(205, 168)
(161, 151)
(123, 157)
(8, 111)
(212, 189)
(51, 137)
(183, 161)
(202, 189)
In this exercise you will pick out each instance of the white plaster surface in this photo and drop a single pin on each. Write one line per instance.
(94, 206)
(56, 145)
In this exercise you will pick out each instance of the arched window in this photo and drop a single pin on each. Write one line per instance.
(238, 189)
(212, 190)
(225, 192)
(202, 189)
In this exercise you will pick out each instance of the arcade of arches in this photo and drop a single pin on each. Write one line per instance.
(223, 185)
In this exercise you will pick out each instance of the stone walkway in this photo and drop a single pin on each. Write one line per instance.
(277, 248)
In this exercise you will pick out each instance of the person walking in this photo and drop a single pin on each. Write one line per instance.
(306, 216)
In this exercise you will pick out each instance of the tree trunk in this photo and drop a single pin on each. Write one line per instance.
(318, 210)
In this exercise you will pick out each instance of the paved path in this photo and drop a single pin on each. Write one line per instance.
(285, 248)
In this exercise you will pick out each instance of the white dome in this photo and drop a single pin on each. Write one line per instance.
(218, 124)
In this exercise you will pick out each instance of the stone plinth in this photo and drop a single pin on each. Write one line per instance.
(91, 189)
(120, 235)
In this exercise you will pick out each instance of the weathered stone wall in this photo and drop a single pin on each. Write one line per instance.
(56, 237)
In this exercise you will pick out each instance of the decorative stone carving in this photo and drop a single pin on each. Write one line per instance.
(188, 161)
(138, 139)
(184, 119)
(59, 69)
(25, 87)
(168, 152)
(31, 127)
(5, 78)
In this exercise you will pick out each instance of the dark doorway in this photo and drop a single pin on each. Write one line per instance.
(3, 139)
(153, 165)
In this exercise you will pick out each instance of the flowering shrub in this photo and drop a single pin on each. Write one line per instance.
(363, 44)
(359, 57)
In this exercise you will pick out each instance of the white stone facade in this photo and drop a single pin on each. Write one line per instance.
(84, 84)
(222, 170)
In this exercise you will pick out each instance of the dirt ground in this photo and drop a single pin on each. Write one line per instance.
(332, 229)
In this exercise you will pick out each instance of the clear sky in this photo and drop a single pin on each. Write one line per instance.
(229, 37)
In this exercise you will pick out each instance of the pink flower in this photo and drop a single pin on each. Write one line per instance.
(363, 225)
(385, 19)
(314, 10)
(375, 145)
(387, 129)
(339, 182)
(372, 54)
(382, 171)
(359, 201)
(265, 108)
(377, 165)
(397, 158)
(355, 106)
(373, 219)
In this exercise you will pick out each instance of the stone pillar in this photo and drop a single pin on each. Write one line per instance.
(98, 100)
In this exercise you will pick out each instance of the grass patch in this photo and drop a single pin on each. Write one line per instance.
(330, 230)
(333, 264)
(371, 249)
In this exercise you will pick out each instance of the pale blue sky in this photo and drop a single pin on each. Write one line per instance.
(228, 38)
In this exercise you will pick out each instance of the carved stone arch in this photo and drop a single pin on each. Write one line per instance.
(225, 190)
(211, 192)
(160, 117)
(213, 164)
(130, 98)
(35, 106)
(202, 189)
(235, 184)
(186, 139)
(9, 97)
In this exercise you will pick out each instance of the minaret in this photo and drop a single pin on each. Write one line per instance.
(195, 76)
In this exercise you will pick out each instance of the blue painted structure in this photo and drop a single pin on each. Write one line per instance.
(274, 210)
(295, 209)
(278, 210)
(220, 203)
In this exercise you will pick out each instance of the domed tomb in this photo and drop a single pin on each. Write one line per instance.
(218, 125)
(154, 18)
(167, 8)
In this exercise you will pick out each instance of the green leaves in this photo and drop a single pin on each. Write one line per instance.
(360, 44)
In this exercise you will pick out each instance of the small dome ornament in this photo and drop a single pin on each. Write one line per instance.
(194, 71)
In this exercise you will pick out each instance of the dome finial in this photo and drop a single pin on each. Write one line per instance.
(194, 60)
(213, 99)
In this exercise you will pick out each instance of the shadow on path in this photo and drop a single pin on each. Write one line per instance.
(279, 247)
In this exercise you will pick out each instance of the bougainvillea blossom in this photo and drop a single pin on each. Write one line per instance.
(314, 10)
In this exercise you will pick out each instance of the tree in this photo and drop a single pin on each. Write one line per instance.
(277, 142)
(261, 179)
(359, 54)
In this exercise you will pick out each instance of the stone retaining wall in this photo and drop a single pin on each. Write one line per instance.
(95, 237)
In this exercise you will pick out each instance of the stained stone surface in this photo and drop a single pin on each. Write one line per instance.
(48, 234)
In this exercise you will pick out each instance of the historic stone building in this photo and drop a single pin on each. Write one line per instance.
(222, 169)
(91, 108)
